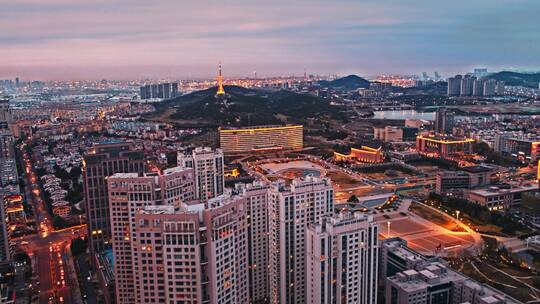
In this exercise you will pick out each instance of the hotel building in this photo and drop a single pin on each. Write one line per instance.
(261, 138)
(208, 168)
(292, 209)
(342, 260)
(364, 155)
(443, 146)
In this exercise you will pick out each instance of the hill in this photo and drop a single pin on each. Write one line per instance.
(243, 107)
(530, 80)
(351, 82)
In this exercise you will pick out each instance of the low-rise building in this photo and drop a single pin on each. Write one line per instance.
(467, 178)
(411, 278)
(364, 154)
(500, 197)
(443, 146)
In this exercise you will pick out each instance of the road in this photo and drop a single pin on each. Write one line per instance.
(57, 281)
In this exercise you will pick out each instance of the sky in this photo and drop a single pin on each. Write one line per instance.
(180, 39)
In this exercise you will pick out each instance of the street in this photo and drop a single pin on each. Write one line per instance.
(50, 249)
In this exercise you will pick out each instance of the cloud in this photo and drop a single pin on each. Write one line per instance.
(178, 38)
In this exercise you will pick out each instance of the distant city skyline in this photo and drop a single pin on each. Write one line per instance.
(136, 39)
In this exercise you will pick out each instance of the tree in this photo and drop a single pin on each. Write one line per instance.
(78, 246)
(353, 199)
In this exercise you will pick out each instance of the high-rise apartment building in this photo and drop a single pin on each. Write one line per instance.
(489, 87)
(102, 161)
(159, 91)
(5, 115)
(257, 197)
(292, 208)
(5, 248)
(342, 260)
(208, 169)
(128, 193)
(478, 87)
(7, 144)
(499, 89)
(467, 83)
(444, 121)
(171, 249)
(454, 85)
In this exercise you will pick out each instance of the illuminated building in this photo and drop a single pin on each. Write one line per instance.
(221, 90)
(443, 146)
(5, 233)
(261, 138)
(364, 154)
(104, 160)
(350, 241)
(7, 144)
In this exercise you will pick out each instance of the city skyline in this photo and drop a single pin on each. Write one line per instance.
(138, 39)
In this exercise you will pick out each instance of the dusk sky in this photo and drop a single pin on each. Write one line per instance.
(135, 39)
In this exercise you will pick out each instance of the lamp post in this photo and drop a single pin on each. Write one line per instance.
(457, 215)
(388, 224)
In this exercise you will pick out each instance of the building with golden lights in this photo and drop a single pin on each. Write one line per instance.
(364, 154)
(443, 145)
(261, 138)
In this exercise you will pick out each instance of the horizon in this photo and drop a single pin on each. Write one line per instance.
(128, 40)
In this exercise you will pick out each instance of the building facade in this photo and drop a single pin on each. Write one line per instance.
(364, 154)
(208, 168)
(104, 160)
(444, 121)
(411, 278)
(443, 146)
(261, 138)
(292, 208)
(342, 260)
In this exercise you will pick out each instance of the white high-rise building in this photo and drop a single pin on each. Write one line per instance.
(208, 169)
(292, 208)
(342, 260)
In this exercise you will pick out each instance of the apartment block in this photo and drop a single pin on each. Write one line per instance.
(342, 260)
(292, 209)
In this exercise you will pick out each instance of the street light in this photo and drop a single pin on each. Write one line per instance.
(457, 215)
(388, 224)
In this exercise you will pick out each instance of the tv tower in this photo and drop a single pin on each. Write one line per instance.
(220, 90)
